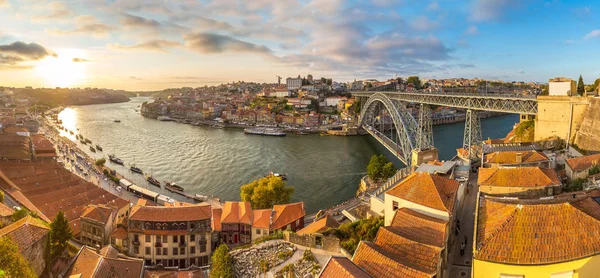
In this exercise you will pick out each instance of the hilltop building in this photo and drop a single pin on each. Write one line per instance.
(562, 86)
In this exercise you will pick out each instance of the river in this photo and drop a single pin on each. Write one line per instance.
(324, 170)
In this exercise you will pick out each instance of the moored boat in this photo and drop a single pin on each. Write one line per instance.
(265, 131)
(117, 121)
(172, 186)
(92, 149)
(115, 159)
(301, 133)
(272, 174)
(153, 181)
(135, 169)
(98, 147)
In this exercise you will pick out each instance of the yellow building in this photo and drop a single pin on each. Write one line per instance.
(558, 238)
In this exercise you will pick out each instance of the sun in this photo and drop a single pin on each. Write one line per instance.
(62, 71)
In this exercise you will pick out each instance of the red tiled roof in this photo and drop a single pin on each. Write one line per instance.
(411, 254)
(5, 211)
(544, 232)
(167, 214)
(341, 267)
(216, 219)
(582, 163)
(89, 263)
(320, 225)
(429, 190)
(420, 227)
(518, 177)
(237, 212)
(382, 264)
(286, 214)
(119, 233)
(511, 157)
(262, 218)
(99, 213)
(25, 232)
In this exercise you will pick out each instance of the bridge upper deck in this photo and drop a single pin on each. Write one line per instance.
(489, 102)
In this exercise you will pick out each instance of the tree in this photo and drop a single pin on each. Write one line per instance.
(19, 214)
(12, 263)
(221, 263)
(415, 81)
(356, 106)
(389, 170)
(266, 192)
(58, 238)
(100, 162)
(595, 85)
(580, 86)
(380, 167)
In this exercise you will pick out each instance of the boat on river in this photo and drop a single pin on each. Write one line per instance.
(135, 169)
(301, 133)
(272, 174)
(117, 121)
(153, 181)
(172, 186)
(92, 149)
(98, 147)
(265, 131)
(115, 159)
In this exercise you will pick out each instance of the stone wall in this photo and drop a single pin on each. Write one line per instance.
(35, 255)
(588, 136)
(554, 116)
(328, 243)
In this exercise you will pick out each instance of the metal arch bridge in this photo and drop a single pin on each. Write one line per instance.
(384, 115)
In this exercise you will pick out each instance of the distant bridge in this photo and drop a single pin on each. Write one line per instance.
(384, 115)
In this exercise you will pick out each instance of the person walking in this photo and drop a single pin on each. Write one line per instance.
(462, 249)
(466, 239)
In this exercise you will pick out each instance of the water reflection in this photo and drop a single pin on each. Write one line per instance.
(69, 121)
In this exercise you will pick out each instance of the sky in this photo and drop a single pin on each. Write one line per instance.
(152, 45)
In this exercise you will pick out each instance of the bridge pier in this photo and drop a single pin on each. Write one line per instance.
(472, 138)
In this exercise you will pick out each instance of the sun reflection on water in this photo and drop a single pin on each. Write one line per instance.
(69, 121)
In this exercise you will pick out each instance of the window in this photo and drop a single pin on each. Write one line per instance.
(193, 250)
(136, 249)
(182, 251)
(182, 239)
(158, 238)
(258, 231)
(165, 239)
(202, 248)
(147, 238)
(175, 251)
(174, 239)
(394, 205)
(158, 251)
(192, 237)
(192, 225)
(136, 238)
(165, 251)
(148, 252)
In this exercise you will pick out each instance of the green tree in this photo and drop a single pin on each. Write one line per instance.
(580, 86)
(221, 263)
(19, 214)
(595, 85)
(265, 192)
(356, 106)
(380, 167)
(415, 81)
(12, 263)
(389, 170)
(100, 162)
(58, 238)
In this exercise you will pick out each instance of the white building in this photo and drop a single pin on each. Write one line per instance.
(282, 94)
(562, 86)
(293, 83)
(333, 101)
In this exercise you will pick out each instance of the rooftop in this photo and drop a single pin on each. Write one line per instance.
(320, 225)
(99, 213)
(25, 232)
(426, 189)
(13, 146)
(380, 263)
(510, 157)
(420, 227)
(168, 214)
(5, 211)
(518, 177)
(216, 219)
(286, 214)
(237, 212)
(583, 162)
(411, 254)
(538, 232)
(89, 263)
(342, 267)
(262, 218)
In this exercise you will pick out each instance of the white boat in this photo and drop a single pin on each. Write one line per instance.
(164, 118)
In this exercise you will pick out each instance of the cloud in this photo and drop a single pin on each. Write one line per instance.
(132, 21)
(433, 6)
(487, 10)
(135, 78)
(97, 30)
(80, 60)
(582, 12)
(214, 43)
(423, 23)
(593, 34)
(29, 51)
(520, 71)
(57, 10)
(385, 3)
(152, 45)
(471, 31)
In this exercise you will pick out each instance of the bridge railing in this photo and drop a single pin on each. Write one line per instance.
(400, 174)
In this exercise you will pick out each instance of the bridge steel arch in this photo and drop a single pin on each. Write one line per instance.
(405, 126)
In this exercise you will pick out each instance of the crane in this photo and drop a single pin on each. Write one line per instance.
(278, 79)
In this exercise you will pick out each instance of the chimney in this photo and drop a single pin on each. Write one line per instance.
(519, 158)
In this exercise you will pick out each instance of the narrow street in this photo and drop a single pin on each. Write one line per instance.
(460, 266)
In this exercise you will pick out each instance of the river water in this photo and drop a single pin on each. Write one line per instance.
(324, 170)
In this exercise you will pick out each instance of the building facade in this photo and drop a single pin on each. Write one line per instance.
(562, 86)
(171, 236)
(293, 83)
(97, 222)
(579, 167)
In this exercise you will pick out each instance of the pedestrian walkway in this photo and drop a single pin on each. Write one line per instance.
(460, 265)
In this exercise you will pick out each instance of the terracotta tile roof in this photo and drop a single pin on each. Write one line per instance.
(379, 263)
(320, 225)
(90, 264)
(5, 211)
(412, 254)
(14, 129)
(25, 232)
(13, 146)
(518, 177)
(429, 190)
(119, 233)
(550, 231)
(583, 162)
(216, 219)
(286, 214)
(237, 212)
(42, 145)
(198, 273)
(186, 213)
(338, 267)
(511, 157)
(109, 251)
(99, 213)
(420, 227)
(262, 218)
